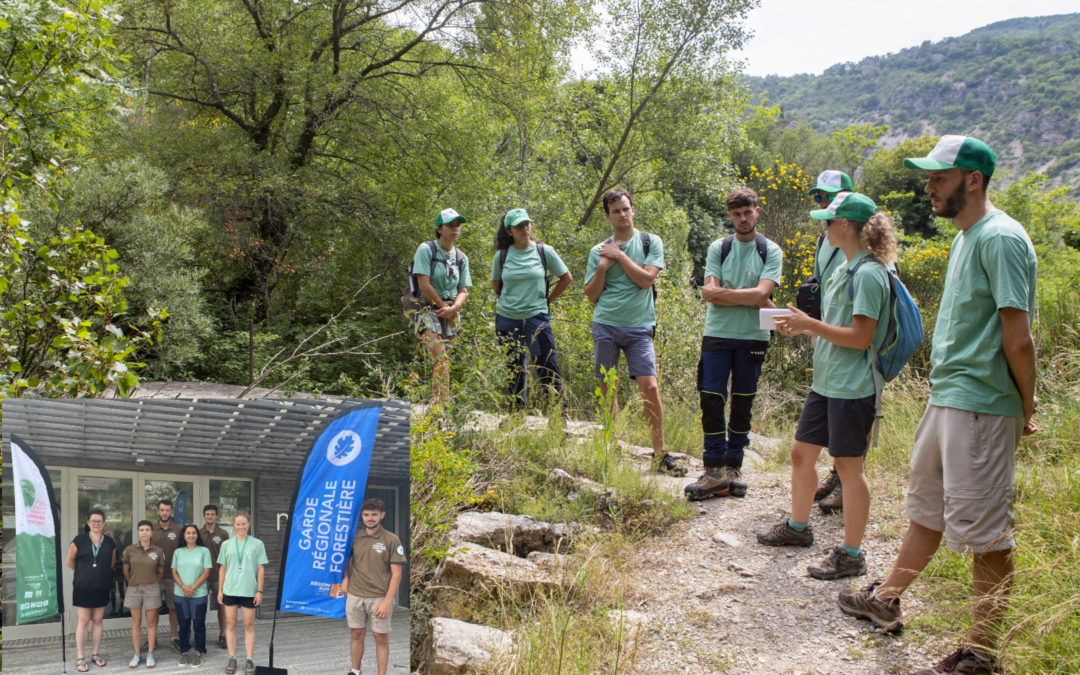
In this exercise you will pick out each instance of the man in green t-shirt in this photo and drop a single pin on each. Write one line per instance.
(739, 280)
(619, 280)
(982, 398)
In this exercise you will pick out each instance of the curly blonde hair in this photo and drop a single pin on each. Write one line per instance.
(878, 237)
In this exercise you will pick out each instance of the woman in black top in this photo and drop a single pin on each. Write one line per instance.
(92, 556)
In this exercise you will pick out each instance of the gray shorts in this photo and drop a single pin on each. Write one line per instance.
(962, 478)
(427, 321)
(636, 343)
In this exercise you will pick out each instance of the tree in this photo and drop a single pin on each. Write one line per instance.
(899, 189)
(854, 142)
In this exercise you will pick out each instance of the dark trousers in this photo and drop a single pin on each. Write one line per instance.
(529, 340)
(188, 611)
(721, 359)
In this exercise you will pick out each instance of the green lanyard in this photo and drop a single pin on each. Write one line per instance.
(96, 548)
(240, 554)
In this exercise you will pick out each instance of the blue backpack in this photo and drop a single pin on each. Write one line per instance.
(903, 334)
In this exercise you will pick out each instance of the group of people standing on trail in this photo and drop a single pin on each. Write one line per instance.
(982, 396)
(185, 568)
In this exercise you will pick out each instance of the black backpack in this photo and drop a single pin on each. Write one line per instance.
(503, 252)
(762, 249)
(646, 241)
(808, 297)
(412, 299)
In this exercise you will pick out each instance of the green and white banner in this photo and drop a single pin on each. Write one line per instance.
(37, 552)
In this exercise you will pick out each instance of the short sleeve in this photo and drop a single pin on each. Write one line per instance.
(262, 560)
(175, 558)
(1005, 259)
(465, 279)
(221, 557)
(555, 264)
(397, 553)
(208, 562)
(422, 260)
(126, 558)
(712, 260)
(656, 252)
(871, 291)
(774, 264)
(496, 268)
(590, 266)
(161, 558)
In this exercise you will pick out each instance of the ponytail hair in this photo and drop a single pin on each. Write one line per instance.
(878, 237)
(503, 238)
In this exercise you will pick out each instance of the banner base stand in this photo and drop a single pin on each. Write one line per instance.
(262, 670)
(270, 669)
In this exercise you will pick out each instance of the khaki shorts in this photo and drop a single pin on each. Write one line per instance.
(167, 588)
(962, 478)
(147, 596)
(361, 614)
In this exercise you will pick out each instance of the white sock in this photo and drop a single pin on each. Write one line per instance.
(355, 671)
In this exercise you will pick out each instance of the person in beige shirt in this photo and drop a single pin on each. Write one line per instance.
(167, 536)
(144, 565)
(371, 580)
(213, 537)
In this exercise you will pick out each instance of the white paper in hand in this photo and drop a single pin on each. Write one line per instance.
(767, 317)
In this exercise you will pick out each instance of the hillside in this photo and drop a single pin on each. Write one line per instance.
(1015, 83)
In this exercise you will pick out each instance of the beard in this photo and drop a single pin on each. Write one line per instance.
(954, 203)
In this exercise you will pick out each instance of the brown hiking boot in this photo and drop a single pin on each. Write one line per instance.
(827, 485)
(838, 564)
(734, 473)
(782, 534)
(861, 604)
(713, 483)
(834, 502)
(962, 662)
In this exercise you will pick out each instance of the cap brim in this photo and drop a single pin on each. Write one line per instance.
(518, 221)
(827, 190)
(822, 214)
(927, 164)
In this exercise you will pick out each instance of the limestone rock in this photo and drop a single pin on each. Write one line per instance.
(475, 568)
(549, 561)
(727, 539)
(516, 534)
(458, 647)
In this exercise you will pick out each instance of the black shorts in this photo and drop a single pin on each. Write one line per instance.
(842, 425)
(90, 598)
(238, 601)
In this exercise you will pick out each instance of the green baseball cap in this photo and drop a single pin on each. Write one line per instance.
(962, 152)
(853, 206)
(447, 215)
(832, 182)
(516, 217)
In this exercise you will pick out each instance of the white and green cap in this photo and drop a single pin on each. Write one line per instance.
(832, 182)
(852, 205)
(447, 215)
(952, 152)
(516, 217)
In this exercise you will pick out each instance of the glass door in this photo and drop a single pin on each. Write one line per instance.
(112, 492)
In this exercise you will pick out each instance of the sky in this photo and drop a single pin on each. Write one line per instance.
(795, 36)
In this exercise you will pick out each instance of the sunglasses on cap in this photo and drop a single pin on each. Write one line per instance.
(821, 198)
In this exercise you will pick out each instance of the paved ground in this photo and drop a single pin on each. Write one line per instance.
(303, 646)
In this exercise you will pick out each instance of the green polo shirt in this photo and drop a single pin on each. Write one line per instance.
(992, 265)
(825, 263)
(242, 576)
(190, 564)
(445, 286)
(623, 303)
(843, 372)
(742, 269)
(523, 286)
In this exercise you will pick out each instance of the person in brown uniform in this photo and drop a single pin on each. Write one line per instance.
(213, 537)
(167, 536)
(144, 565)
(371, 580)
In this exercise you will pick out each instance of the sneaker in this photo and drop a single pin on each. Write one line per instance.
(862, 604)
(962, 662)
(185, 659)
(222, 642)
(713, 483)
(838, 564)
(834, 502)
(668, 465)
(135, 660)
(782, 534)
(175, 644)
(150, 661)
(197, 661)
(249, 667)
(230, 667)
(827, 485)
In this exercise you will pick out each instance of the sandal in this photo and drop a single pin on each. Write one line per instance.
(81, 665)
(98, 661)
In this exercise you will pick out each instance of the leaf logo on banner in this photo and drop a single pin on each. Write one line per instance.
(29, 494)
(343, 448)
(344, 445)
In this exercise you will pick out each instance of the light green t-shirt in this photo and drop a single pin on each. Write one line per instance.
(445, 286)
(623, 303)
(843, 372)
(190, 564)
(742, 269)
(825, 263)
(992, 265)
(242, 576)
(523, 281)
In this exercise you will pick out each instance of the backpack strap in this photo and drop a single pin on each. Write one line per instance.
(434, 246)
(879, 381)
(503, 252)
(543, 256)
(646, 241)
(762, 248)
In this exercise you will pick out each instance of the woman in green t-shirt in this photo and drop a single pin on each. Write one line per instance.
(519, 277)
(241, 576)
(191, 566)
(840, 409)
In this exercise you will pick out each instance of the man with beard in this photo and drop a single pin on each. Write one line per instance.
(167, 536)
(982, 398)
(741, 271)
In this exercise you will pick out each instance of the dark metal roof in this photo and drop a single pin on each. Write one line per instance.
(237, 434)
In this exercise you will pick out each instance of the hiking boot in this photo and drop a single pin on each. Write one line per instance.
(827, 485)
(185, 659)
(862, 604)
(838, 564)
(713, 483)
(734, 473)
(230, 667)
(782, 534)
(834, 502)
(197, 661)
(737, 488)
(962, 662)
(668, 465)
(249, 667)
